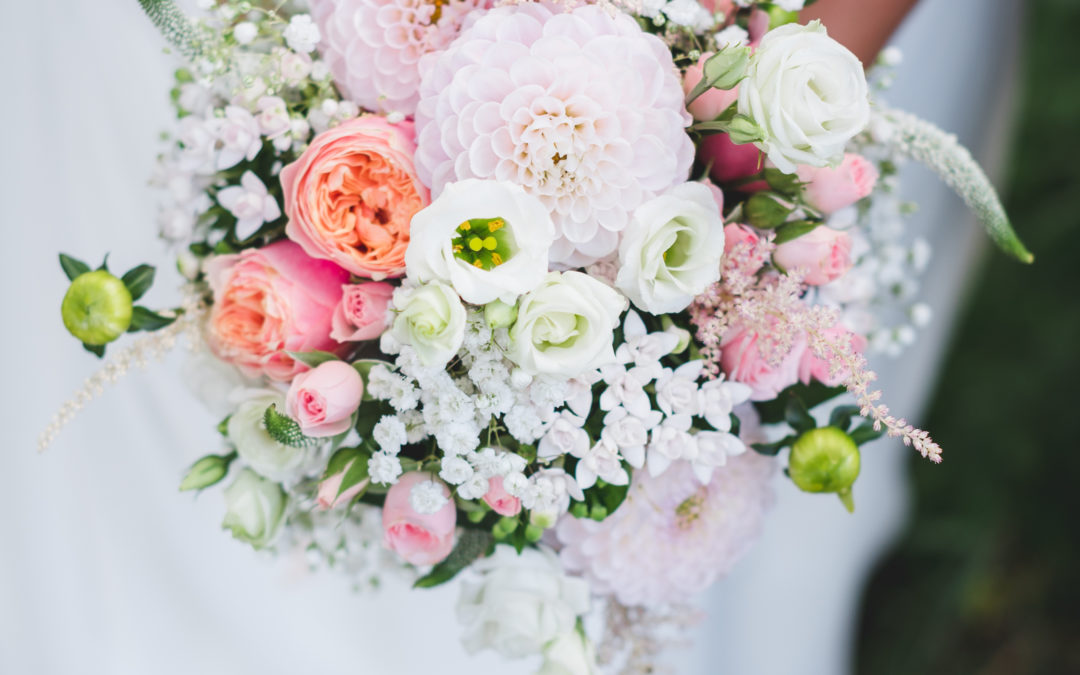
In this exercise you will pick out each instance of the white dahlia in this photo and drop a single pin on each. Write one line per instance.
(373, 47)
(582, 108)
(672, 537)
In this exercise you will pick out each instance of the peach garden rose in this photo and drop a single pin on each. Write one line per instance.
(351, 195)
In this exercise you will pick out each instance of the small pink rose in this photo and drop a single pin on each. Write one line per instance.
(323, 399)
(823, 254)
(328, 497)
(730, 162)
(811, 367)
(742, 361)
(742, 240)
(828, 190)
(419, 538)
(713, 102)
(361, 314)
(500, 500)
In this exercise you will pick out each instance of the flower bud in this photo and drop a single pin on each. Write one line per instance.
(498, 314)
(825, 460)
(97, 308)
(206, 472)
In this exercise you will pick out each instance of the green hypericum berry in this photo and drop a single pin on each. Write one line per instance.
(97, 308)
(825, 460)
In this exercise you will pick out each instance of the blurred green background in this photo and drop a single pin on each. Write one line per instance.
(986, 578)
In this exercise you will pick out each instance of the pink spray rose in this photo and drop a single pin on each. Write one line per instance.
(713, 102)
(323, 399)
(823, 254)
(741, 361)
(328, 497)
(419, 538)
(811, 367)
(361, 314)
(500, 500)
(269, 300)
(828, 190)
(745, 239)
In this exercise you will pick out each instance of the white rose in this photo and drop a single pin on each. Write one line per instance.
(569, 654)
(487, 239)
(808, 93)
(253, 444)
(254, 509)
(431, 319)
(520, 603)
(565, 326)
(670, 252)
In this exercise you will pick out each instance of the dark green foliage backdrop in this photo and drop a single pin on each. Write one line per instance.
(987, 578)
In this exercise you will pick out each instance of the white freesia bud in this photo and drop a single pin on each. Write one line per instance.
(431, 319)
(254, 509)
(254, 445)
(808, 94)
(670, 252)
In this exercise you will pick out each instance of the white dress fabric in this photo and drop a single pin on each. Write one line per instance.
(106, 569)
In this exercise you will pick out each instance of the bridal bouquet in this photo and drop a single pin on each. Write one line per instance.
(534, 292)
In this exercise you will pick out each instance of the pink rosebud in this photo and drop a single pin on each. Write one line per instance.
(419, 538)
(828, 190)
(823, 254)
(713, 102)
(730, 162)
(361, 314)
(742, 240)
(500, 500)
(811, 366)
(725, 7)
(742, 361)
(323, 399)
(328, 497)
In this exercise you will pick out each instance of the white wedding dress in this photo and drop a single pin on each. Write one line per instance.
(106, 569)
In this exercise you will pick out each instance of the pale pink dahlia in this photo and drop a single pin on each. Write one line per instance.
(582, 108)
(373, 46)
(672, 537)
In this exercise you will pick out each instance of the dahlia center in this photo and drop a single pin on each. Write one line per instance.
(484, 243)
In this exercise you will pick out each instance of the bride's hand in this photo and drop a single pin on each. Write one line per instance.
(863, 26)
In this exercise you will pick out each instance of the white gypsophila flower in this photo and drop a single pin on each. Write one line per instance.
(384, 468)
(668, 442)
(516, 603)
(291, 66)
(630, 433)
(390, 434)
(600, 461)
(427, 497)
(238, 133)
(732, 36)
(430, 319)
(487, 239)
(475, 487)
(302, 34)
(921, 314)
(689, 13)
(244, 32)
(247, 432)
(458, 438)
(549, 493)
(626, 388)
(415, 429)
(569, 654)
(254, 509)
(566, 325)
(671, 250)
(808, 94)
(455, 470)
(677, 390)
(489, 462)
(642, 348)
(547, 391)
(718, 398)
(250, 203)
(790, 5)
(564, 436)
(523, 423)
(651, 8)
(710, 450)
(515, 483)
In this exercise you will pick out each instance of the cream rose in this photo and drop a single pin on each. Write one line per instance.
(671, 251)
(808, 94)
(487, 239)
(431, 319)
(565, 326)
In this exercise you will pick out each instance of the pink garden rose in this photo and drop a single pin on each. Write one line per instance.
(328, 497)
(500, 500)
(351, 195)
(823, 254)
(730, 162)
(713, 102)
(811, 367)
(323, 399)
(745, 238)
(361, 314)
(419, 538)
(741, 361)
(269, 300)
(828, 190)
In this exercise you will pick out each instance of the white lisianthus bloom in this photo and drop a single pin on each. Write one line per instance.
(670, 253)
(488, 239)
(431, 319)
(808, 94)
(565, 326)
(267, 457)
(254, 509)
(569, 654)
(519, 603)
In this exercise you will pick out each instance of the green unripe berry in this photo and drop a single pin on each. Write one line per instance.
(97, 308)
(825, 460)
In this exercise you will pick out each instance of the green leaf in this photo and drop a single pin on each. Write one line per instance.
(865, 433)
(104, 263)
(790, 231)
(285, 430)
(764, 210)
(207, 471)
(72, 267)
(787, 184)
(471, 546)
(813, 395)
(797, 415)
(354, 475)
(96, 350)
(313, 358)
(841, 416)
(340, 459)
(772, 449)
(145, 319)
(138, 280)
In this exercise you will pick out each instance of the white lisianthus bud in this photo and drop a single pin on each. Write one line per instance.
(431, 319)
(253, 444)
(254, 509)
(808, 94)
